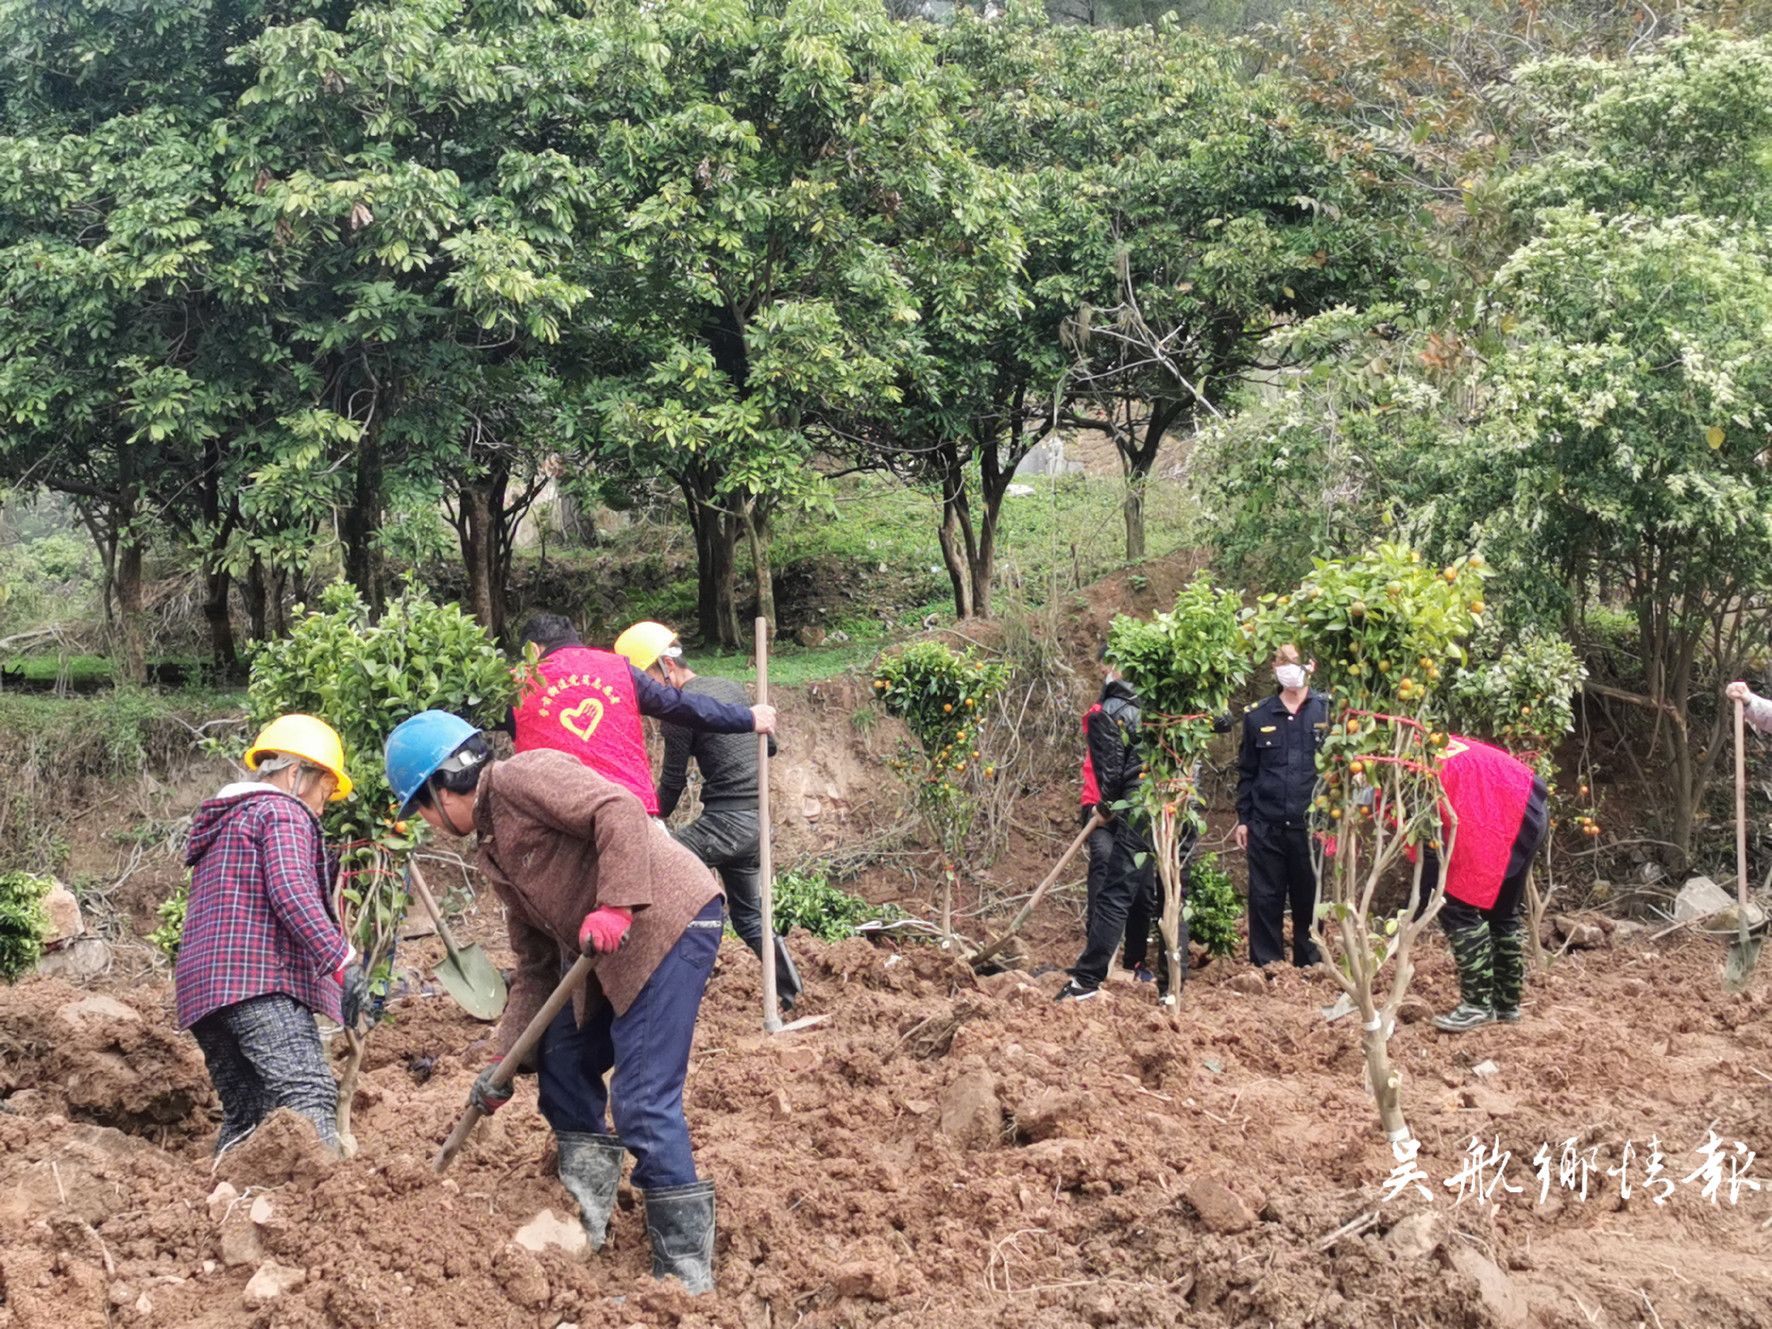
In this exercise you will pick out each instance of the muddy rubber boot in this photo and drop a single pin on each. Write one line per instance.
(680, 1225)
(1510, 975)
(590, 1167)
(1474, 954)
(787, 977)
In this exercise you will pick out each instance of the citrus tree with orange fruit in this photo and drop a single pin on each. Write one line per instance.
(1386, 630)
(944, 697)
(1184, 664)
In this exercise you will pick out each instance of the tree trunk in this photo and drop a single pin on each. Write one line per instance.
(756, 528)
(252, 590)
(1133, 509)
(959, 542)
(479, 552)
(276, 620)
(130, 610)
(106, 543)
(1137, 458)
(362, 523)
(221, 624)
(716, 550)
(953, 557)
(731, 528)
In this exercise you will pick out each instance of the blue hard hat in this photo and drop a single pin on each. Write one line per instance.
(418, 747)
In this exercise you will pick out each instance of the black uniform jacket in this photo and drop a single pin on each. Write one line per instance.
(1278, 767)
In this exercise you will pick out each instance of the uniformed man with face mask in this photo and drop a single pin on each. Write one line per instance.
(1277, 774)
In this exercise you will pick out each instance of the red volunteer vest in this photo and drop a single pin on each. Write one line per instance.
(1489, 790)
(584, 704)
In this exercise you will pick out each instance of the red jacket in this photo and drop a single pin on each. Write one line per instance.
(1489, 791)
(260, 917)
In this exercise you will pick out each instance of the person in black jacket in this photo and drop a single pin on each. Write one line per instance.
(1112, 773)
(728, 834)
(1277, 774)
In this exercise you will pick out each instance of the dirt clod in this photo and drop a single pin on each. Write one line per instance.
(1220, 1208)
(971, 1114)
(272, 1280)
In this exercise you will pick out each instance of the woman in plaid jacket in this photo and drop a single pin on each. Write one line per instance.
(262, 950)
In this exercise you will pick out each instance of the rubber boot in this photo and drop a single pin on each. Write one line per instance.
(590, 1167)
(787, 977)
(1510, 975)
(1473, 952)
(680, 1225)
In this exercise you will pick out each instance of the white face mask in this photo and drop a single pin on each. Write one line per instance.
(1291, 676)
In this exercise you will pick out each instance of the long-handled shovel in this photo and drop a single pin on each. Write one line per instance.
(519, 1053)
(765, 864)
(467, 972)
(1039, 892)
(1744, 951)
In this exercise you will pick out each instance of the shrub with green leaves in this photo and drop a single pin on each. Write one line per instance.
(1213, 907)
(171, 913)
(806, 899)
(24, 922)
(363, 676)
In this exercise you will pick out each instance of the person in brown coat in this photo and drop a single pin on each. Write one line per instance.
(580, 867)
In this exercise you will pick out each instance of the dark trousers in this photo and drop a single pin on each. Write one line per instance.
(649, 1050)
(1281, 878)
(1117, 883)
(264, 1053)
(1503, 916)
(730, 843)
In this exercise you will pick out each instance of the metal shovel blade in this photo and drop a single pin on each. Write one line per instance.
(466, 972)
(474, 981)
(1738, 969)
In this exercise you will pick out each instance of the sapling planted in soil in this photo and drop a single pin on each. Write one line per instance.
(1384, 630)
(1184, 665)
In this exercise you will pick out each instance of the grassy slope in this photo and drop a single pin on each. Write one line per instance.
(878, 554)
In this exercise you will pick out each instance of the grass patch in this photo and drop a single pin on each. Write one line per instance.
(81, 669)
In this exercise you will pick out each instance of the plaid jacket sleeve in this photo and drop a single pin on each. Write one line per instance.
(287, 868)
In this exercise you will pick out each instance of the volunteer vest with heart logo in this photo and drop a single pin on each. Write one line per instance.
(583, 703)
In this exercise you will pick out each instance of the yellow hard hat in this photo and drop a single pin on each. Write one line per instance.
(305, 737)
(645, 642)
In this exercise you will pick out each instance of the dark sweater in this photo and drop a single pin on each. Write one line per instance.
(728, 762)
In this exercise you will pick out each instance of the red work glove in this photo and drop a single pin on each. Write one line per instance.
(485, 1095)
(604, 930)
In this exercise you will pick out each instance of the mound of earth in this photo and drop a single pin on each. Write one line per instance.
(943, 1150)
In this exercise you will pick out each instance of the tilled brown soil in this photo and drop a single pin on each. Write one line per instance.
(941, 1151)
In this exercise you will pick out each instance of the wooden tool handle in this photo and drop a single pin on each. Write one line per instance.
(525, 1044)
(1039, 891)
(765, 863)
(423, 892)
(1741, 814)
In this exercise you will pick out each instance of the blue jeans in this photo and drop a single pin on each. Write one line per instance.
(649, 1049)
